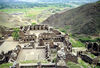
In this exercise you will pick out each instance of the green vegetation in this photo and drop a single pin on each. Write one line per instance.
(91, 55)
(80, 64)
(79, 40)
(33, 23)
(55, 59)
(32, 13)
(98, 1)
(76, 43)
(15, 34)
(6, 65)
(67, 27)
(83, 64)
(63, 30)
(97, 67)
(73, 65)
(86, 39)
(22, 5)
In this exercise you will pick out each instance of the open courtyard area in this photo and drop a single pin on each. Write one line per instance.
(31, 54)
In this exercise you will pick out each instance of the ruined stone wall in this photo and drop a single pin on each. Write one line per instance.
(27, 38)
(51, 36)
(93, 47)
(34, 27)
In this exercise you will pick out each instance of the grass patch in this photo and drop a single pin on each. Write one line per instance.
(84, 64)
(63, 30)
(80, 64)
(91, 55)
(67, 27)
(73, 65)
(6, 65)
(76, 43)
(86, 39)
(97, 67)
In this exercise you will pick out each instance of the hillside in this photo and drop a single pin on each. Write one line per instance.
(82, 20)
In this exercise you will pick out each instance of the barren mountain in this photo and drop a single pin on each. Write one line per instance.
(82, 20)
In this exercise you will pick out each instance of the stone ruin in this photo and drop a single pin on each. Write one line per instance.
(46, 37)
(31, 45)
(24, 38)
(48, 40)
(48, 52)
(56, 32)
(4, 57)
(15, 53)
(7, 32)
(24, 32)
(10, 56)
(34, 27)
(39, 27)
(87, 59)
(38, 65)
(27, 38)
(66, 55)
(93, 47)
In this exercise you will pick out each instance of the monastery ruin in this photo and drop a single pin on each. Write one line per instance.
(40, 43)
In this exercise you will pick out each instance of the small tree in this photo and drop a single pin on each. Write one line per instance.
(15, 34)
(33, 24)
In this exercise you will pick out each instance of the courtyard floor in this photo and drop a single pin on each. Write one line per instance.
(31, 54)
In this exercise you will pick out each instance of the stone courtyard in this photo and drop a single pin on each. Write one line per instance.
(31, 54)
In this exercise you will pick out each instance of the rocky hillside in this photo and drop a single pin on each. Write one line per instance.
(82, 20)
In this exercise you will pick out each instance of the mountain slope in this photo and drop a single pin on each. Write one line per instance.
(82, 20)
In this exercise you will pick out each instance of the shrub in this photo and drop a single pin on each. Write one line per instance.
(97, 39)
(63, 30)
(67, 27)
(33, 23)
(15, 34)
(6, 65)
